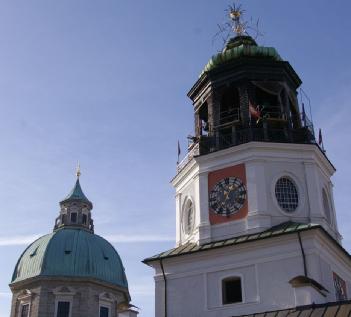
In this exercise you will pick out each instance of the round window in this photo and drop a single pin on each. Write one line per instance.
(188, 217)
(286, 194)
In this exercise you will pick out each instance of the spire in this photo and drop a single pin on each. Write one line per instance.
(76, 193)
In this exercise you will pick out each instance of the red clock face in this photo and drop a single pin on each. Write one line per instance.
(227, 194)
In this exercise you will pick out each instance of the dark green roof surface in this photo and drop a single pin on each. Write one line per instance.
(284, 228)
(76, 194)
(71, 253)
(238, 47)
(333, 309)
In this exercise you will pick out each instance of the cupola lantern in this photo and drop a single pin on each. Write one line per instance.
(247, 93)
(75, 209)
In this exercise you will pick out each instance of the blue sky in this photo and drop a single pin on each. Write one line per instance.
(105, 83)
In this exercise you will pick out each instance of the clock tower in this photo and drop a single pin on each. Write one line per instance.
(253, 161)
(256, 227)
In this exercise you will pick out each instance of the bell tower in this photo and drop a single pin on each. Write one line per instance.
(256, 230)
(253, 161)
(247, 93)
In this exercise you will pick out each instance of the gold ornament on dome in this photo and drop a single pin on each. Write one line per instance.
(237, 25)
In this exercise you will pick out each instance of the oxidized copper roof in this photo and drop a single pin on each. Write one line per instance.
(71, 253)
(241, 46)
(77, 194)
(188, 248)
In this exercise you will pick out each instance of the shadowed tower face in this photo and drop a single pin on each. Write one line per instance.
(71, 272)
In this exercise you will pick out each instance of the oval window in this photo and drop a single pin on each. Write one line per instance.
(188, 217)
(286, 194)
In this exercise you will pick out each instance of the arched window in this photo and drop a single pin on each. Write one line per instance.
(188, 217)
(231, 290)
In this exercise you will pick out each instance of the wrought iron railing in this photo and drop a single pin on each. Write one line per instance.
(302, 132)
(217, 142)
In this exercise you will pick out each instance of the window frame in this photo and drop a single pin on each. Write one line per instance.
(25, 299)
(106, 300)
(75, 215)
(104, 305)
(63, 299)
(300, 187)
(64, 294)
(185, 216)
(21, 305)
(84, 217)
(289, 204)
(222, 292)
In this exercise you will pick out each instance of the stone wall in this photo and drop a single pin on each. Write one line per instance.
(85, 297)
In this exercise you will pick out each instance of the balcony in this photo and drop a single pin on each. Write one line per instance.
(209, 144)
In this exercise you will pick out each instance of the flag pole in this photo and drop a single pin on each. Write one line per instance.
(178, 153)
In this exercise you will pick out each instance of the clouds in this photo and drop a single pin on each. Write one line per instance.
(19, 240)
(5, 295)
(123, 238)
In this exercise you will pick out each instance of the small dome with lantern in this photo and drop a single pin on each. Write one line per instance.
(73, 267)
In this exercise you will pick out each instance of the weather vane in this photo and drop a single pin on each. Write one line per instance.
(237, 24)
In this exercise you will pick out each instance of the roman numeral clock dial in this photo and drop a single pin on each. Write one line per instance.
(227, 196)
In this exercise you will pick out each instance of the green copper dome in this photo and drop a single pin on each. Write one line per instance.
(71, 252)
(241, 46)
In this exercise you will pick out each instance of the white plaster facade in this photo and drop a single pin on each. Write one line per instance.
(191, 284)
(264, 163)
(265, 267)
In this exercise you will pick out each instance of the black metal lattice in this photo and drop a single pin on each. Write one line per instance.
(286, 194)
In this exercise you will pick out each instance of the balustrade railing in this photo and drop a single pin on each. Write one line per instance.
(303, 133)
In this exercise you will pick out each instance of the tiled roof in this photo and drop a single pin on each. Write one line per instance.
(282, 229)
(334, 309)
